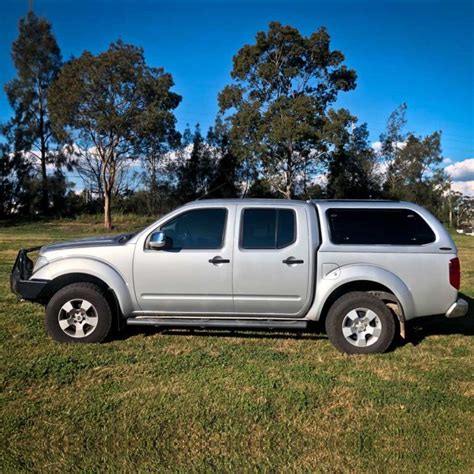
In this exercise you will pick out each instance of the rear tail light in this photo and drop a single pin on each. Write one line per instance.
(455, 273)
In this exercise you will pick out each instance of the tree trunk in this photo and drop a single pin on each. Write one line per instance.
(288, 187)
(452, 215)
(44, 176)
(107, 211)
(153, 190)
(44, 186)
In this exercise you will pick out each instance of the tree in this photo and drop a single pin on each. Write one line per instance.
(277, 107)
(107, 104)
(196, 170)
(88, 165)
(460, 210)
(37, 60)
(155, 148)
(224, 179)
(7, 180)
(464, 211)
(352, 161)
(414, 171)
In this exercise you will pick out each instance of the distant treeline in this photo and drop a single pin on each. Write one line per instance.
(98, 133)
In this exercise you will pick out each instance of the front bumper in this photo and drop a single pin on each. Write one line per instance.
(20, 282)
(458, 309)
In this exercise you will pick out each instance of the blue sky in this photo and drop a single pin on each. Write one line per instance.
(419, 52)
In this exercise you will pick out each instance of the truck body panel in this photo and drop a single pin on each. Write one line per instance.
(239, 277)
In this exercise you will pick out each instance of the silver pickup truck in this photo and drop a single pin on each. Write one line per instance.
(363, 268)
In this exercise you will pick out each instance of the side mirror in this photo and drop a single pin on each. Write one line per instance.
(157, 240)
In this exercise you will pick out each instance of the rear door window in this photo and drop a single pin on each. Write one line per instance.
(268, 228)
(378, 227)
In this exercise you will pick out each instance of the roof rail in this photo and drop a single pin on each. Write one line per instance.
(355, 200)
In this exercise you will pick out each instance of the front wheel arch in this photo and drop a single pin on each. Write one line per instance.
(79, 312)
(64, 280)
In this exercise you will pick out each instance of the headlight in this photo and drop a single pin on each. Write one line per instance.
(40, 263)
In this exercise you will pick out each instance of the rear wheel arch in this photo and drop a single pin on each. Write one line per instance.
(360, 323)
(368, 286)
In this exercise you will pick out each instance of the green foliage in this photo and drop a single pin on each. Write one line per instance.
(112, 102)
(275, 133)
(352, 161)
(414, 171)
(156, 172)
(37, 60)
(284, 84)
(460, 209)
(207, 168)
(9, 167)
(194, 172)
(225, 176)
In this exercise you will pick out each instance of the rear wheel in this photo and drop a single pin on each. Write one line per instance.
(79, 312)
(360, 323)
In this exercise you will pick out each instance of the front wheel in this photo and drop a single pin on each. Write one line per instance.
(360, 323)
(79, 312)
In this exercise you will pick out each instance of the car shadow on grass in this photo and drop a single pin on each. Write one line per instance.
(314, 332)
(419, 329)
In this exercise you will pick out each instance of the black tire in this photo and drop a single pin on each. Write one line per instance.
(342, 327)
(99, 314)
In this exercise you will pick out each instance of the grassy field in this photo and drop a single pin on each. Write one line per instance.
(215, 401)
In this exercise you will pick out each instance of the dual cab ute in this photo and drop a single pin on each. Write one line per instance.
(363, 268)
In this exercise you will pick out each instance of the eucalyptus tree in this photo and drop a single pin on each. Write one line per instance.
(37, 59)
(414, 164)
(7, 180)
(351, 163)
(277, 106)
(196, 168)
(226, 170)
(107, 104)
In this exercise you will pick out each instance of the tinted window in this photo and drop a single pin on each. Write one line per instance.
(268, 228)
(378, 227)
(198, 229)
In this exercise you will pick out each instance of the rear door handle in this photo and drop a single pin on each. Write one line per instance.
(292, 261)
(218, 259)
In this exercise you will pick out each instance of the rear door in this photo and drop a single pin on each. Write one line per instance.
(271, 261)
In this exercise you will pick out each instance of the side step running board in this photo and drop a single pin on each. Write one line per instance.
(181, 323)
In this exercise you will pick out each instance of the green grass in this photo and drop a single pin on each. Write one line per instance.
(215, 401)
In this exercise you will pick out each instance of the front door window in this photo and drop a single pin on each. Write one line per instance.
(199, 229)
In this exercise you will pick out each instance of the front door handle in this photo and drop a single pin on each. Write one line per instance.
(292, 261)
(218, 259)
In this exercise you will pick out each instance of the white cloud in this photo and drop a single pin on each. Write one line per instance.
(464, 187)
(462, 170)
(447, 161)
(320, 179)
(381, 167)
(377, 146)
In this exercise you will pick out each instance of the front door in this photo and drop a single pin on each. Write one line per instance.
(271, 261)
(192, 274)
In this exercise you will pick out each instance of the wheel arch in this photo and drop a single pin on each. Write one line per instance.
(63, 272)
(378, 281)
(377, 289)
(53, 286)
